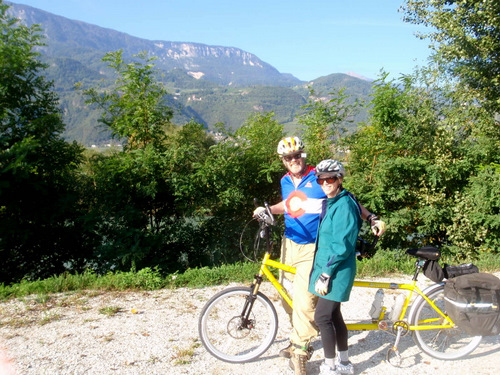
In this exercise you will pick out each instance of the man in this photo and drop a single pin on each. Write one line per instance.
(302, 206)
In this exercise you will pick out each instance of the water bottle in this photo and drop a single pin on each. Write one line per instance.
(376, 308)
(398, 307)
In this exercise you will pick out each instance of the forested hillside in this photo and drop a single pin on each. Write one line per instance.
(174, 197)
(230, 84)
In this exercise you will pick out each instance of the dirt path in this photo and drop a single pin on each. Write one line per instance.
(156, 333)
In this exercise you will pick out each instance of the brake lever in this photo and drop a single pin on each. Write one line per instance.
(269, 214)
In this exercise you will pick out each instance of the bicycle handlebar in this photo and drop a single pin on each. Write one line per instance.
(269, 218)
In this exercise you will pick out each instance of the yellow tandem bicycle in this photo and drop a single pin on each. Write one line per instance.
(239, 324)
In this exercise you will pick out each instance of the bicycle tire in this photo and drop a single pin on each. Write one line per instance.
(221, 333)
(446, 344)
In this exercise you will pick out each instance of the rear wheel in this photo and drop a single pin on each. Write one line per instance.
(446, 343)
(225, 333)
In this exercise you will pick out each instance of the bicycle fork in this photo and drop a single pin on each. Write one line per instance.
(246, 322)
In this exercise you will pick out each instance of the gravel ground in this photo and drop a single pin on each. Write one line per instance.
(156, 333)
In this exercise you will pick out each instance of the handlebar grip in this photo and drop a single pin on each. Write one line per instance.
(269, 213)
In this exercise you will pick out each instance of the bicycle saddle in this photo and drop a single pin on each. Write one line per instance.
(427, 252)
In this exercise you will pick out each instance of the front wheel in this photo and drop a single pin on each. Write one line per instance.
(447, 343)
(227, 335)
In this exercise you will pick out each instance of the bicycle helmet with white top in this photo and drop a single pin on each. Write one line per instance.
(330, 167)
(290, 145)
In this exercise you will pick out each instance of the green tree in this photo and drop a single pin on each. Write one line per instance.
(242, 165)
(130, 200)
(164, 199)
(136, 108)
(465, 38)
(147, 203)
(40, 207)
(132, 197)
(324, 125)
(143, 196)
(406, 164)
(418, 164)
(476, 220)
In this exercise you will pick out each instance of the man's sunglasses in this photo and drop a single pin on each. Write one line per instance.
(293, 156)
(328, 180)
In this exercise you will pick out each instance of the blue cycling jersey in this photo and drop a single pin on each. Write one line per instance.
(303, 205)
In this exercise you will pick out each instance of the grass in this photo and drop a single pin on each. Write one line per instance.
(184, 356)
(382, 264)
(49, 317)
(110, 310)
(145, 279)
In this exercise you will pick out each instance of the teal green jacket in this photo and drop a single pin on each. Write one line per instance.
(336, 247)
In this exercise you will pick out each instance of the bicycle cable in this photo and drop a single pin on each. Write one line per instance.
(255, 245)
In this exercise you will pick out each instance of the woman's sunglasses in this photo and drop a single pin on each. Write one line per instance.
(328, 180)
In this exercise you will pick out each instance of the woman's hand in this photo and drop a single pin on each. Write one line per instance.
(321, 286)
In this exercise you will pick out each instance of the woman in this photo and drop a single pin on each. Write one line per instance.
(334, 265)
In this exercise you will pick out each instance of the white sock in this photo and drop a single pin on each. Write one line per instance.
(330, 362)
(344, 356)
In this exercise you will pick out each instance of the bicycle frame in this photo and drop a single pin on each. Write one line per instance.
(376, 324)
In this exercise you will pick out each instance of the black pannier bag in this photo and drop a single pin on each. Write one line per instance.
(471, 301)
(433, 271)
(463, 269)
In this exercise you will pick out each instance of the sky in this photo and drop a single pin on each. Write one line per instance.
(307, 38)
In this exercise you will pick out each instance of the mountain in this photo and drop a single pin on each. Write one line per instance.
(85, 42)
(210, 84)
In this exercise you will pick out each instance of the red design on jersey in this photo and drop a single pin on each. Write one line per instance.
(294, 203)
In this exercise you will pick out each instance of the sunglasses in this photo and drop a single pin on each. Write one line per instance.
(328, 180)
(297, 156)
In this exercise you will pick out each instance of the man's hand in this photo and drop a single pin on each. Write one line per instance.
(258, 211)
(261, 214)
(321, 286)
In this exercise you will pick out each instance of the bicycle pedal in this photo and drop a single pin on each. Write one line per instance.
(393, 357)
